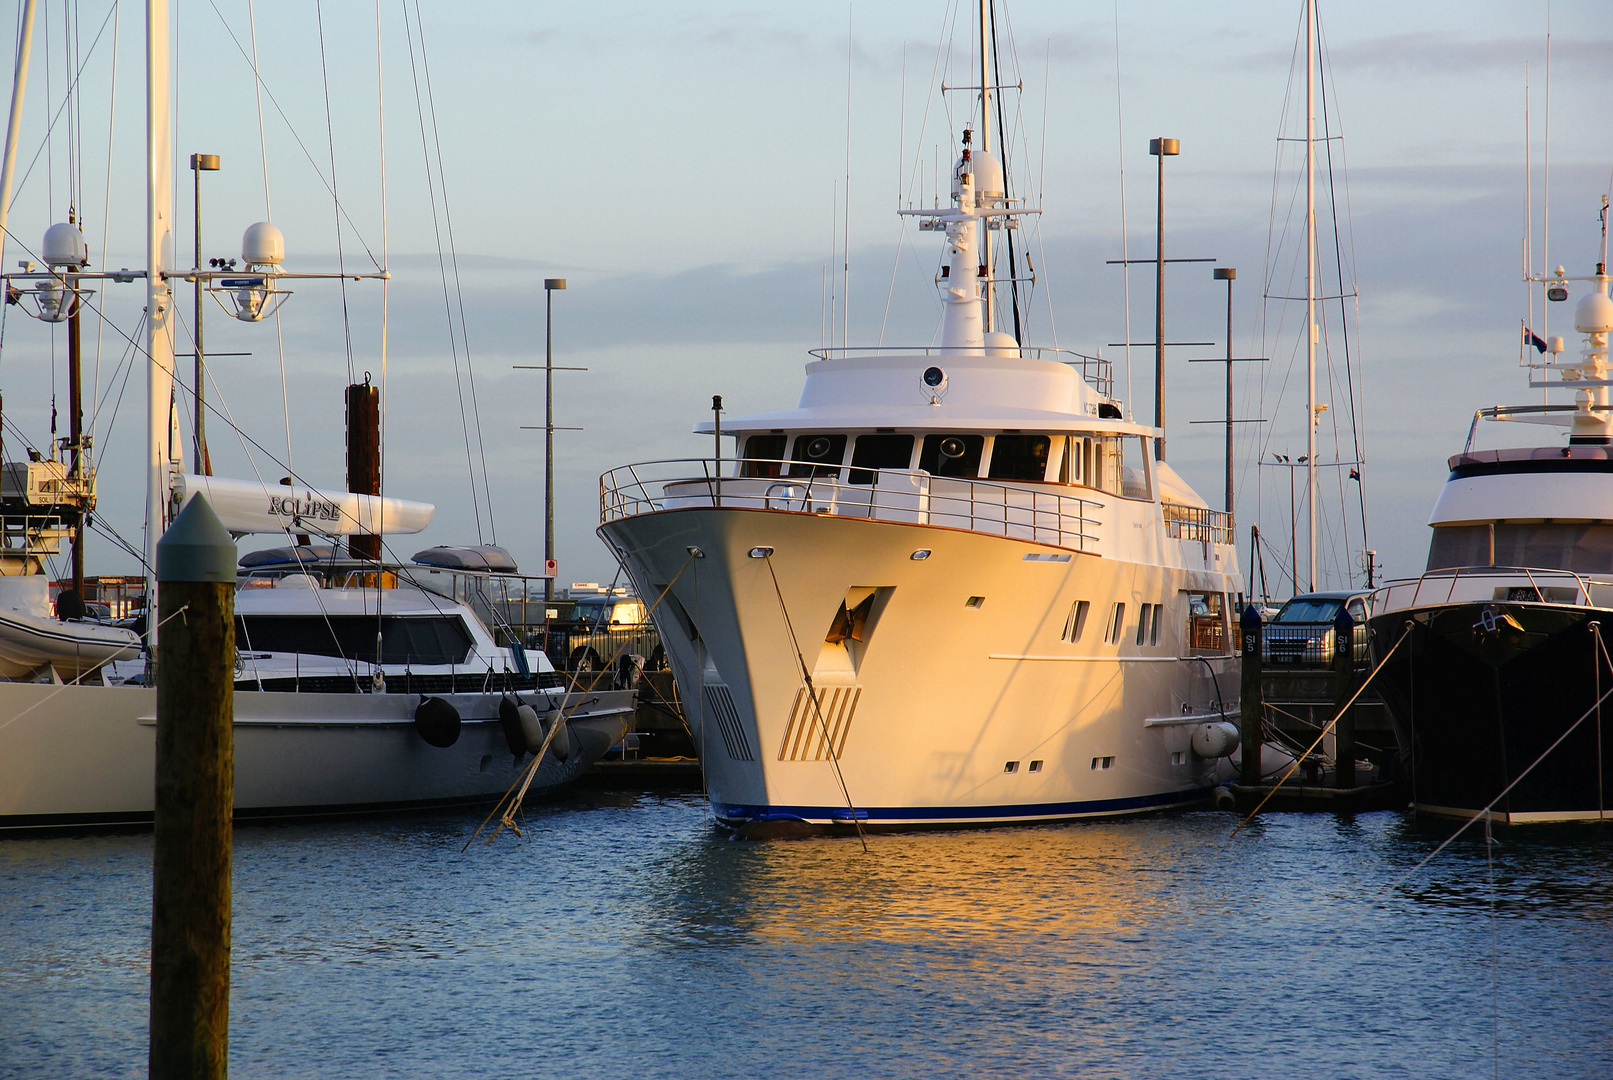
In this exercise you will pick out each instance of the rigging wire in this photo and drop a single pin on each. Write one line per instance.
(1125, 254)
(442, 267)
(453, 255)
(336, 206)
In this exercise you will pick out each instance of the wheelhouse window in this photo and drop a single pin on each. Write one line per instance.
(1583, 549)
(1019, 457)
(762, 455)
(952, 455)
(817, 455)
(405, 639)
(879, 451)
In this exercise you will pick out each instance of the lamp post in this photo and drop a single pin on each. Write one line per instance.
(549, 287)
(1160, 148)
(1228, 274)
(200, 163)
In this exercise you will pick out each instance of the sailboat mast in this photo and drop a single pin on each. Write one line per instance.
(14, 127)
(159, 298)
(1310, 288)
(985, 148)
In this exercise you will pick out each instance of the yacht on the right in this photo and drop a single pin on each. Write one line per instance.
(1500, 690)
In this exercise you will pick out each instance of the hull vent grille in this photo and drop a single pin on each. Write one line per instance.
(720, 704)
(807, 740)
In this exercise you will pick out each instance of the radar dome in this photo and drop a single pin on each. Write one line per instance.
(1594, 312)
(262, 245)
(64, 246)
(988, 174)
(1001, 344)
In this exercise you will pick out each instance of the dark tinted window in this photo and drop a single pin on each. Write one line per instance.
(817, 455)
(952, 455)
(879, 452)
(1019, 457)
(424, 639)
(769, 449)
(1584, 549)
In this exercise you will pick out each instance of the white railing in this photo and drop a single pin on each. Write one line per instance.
(901, 495)
(1437, 587)
(1200, 523)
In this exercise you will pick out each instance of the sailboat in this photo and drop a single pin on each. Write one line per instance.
(360, 685)
(953, 586)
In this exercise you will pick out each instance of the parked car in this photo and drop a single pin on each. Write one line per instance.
(1301, 635)
(600, 629)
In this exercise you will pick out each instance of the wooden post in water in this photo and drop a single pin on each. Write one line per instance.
(1344, 677)
(1250, 736)
(190, 903)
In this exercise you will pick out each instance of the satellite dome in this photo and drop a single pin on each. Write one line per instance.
(263, 245)
(64, 246)
(988, 175)
(1594, 312)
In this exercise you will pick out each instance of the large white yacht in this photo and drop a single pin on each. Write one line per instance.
(952, 586)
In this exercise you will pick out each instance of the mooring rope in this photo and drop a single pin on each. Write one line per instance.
(812, 695)
(1325, 729)
(510, 802)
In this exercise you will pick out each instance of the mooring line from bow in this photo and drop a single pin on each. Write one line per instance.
(1327, 727)
(812, 696)
(510, 802)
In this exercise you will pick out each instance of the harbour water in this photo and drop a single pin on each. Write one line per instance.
(623, 936)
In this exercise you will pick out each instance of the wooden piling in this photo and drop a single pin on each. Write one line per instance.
(364, 457)
(1343, 687)
(195, 796)
(1250, 736)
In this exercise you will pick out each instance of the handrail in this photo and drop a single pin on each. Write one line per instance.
(1455, 573)
(1101, 377)
(1062, 520)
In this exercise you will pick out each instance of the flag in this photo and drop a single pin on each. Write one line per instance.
(1354, 475)
(1532, 338)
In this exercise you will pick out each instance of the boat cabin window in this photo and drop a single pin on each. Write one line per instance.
(817, 455)
(1583, 549)
(405, 639)
(762, 455)
(952, 455)
(879, 452)
(1206, 625)
(1019, 457)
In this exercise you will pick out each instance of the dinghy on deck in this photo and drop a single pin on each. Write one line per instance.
(32, 637)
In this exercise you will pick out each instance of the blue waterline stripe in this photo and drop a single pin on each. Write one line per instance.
(1010, 812)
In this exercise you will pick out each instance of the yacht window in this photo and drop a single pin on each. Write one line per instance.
(763, 453)
(1019, 457)
(952, 455)
(1117, 621)
(818, 455)
(1206, 629)
(1075, 622)
(879, 452)
(405, 639)
(1584, 549)
(1133, 470)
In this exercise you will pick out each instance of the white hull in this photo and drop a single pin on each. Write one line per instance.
(943, 696)
(85, 755)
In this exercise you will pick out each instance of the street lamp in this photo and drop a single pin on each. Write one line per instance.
(200, 163)
(549, 287)
(1160, 148)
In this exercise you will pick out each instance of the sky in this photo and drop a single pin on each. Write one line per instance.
(687, 168)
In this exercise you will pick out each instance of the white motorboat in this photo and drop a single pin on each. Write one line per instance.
(952, 586)
(360, 686)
